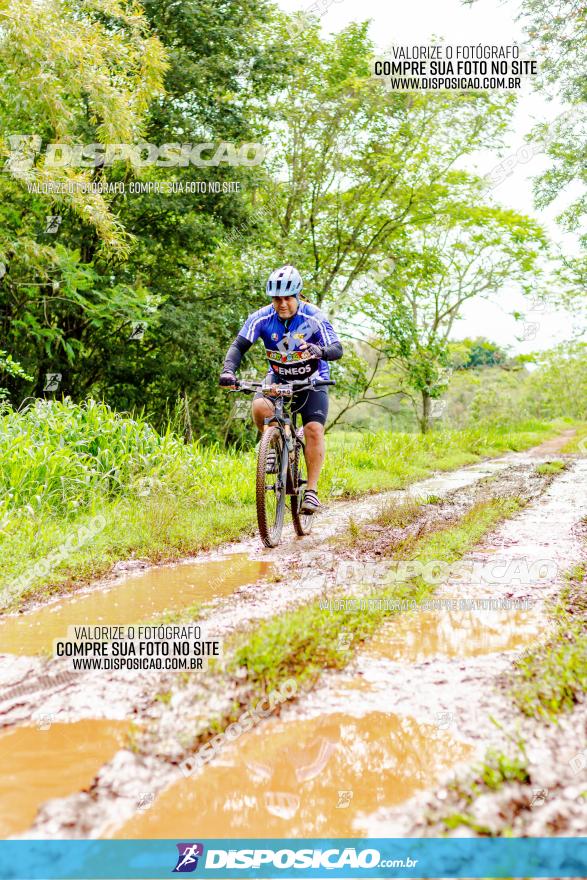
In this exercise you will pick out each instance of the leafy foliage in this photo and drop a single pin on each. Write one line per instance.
(558, 33)
(470, 354)
(354, 176)
(415, 303)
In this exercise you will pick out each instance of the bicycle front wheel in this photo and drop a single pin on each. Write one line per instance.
(302, 521)
(270, 487)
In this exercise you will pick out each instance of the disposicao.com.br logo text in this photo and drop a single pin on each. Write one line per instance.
(328, 859)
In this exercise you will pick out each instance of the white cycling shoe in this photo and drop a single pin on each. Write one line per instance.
(310, 504)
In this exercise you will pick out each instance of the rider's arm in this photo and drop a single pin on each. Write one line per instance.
(329, 341)
(332, 352)
(235, 354)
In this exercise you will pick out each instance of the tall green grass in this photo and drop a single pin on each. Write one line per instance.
(60, 458)
(63, 463)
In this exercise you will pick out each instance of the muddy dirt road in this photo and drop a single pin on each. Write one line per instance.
(369, 749)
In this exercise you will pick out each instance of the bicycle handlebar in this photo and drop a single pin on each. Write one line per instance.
(250, 387)
(309, 383)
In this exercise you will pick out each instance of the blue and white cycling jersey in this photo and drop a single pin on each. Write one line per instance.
(282, 339)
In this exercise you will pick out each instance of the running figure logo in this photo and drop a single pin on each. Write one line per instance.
(187, 861)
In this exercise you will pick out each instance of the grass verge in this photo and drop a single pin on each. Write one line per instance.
(578, 443)
(551, 467)
(496, 770)
(552, 678)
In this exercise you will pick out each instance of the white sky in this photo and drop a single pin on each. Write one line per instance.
(490, 22)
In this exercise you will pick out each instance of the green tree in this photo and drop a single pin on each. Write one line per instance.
(69, 72)
(415, 305)
(471, 354)
(67, 69)
(354, 165)
(190, 248)
(558, 35)
(73, 301)
(557, 38)
(559, 386)
(357, 171)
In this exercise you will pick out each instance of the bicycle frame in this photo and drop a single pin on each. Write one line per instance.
(277, 393)
(283, 421)
(290, 451)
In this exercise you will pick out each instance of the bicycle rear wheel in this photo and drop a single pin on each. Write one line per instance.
(302, 521)
(270, 488)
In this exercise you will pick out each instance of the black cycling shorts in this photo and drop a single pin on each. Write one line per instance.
(312, 405)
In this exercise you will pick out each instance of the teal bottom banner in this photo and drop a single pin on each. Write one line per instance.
(232, 858)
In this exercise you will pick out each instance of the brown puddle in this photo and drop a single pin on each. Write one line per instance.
(37, 764)
(140, 597)
(415, 636)
(302, 778)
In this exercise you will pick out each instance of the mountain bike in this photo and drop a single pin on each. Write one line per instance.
(281, 462)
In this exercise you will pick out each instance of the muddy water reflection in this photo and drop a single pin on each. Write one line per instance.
(38, 764)
(413, 637)
(310, 777)
(140, 597)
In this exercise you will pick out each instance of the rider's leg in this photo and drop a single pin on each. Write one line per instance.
(314, 438)
(262, 409)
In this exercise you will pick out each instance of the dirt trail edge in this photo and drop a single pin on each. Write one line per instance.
(463, 688)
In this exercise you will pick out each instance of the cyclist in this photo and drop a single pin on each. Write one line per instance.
(299, 341)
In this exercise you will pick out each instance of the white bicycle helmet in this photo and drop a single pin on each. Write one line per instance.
(286, 281)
